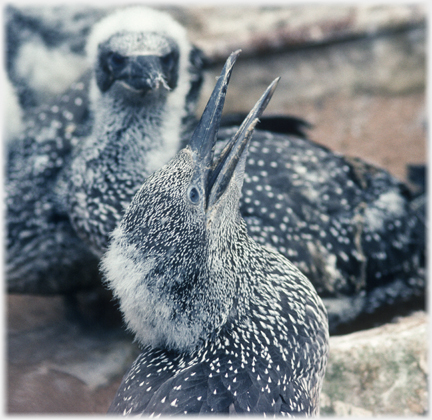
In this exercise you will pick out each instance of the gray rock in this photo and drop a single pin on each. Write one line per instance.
(356, 73)
(381, 371)
(99, 367)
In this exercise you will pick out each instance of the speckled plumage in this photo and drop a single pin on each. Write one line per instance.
(44, 255)
(227, 325)
(141, 111)
(51, 169)
(355, 230)
(352, 228)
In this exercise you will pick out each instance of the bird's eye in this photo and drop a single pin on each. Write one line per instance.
(168, 60)
(116, 61)
(194, 195)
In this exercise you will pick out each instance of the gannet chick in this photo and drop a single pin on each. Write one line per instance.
(143, 96)
(226, 325)
(352, 228)
(52, 171)
(44, 255)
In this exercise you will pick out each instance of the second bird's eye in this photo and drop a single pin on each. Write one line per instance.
(168, 60)
(117, 61)
(194, 195)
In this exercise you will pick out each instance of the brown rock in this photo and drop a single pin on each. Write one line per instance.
(257, 28)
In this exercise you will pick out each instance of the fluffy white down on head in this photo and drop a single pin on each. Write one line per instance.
(136, 19)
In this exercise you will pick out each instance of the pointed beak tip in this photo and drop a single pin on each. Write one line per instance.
(229, 64)
(272, 87)
(234, 55)
(275, 82)
(205, 133)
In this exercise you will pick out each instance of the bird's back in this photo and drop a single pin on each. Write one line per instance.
(43, 251)
(349, 226)
(272, 359)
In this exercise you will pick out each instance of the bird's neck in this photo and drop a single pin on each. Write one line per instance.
(151, 132)
(178, 306)
(126, 145)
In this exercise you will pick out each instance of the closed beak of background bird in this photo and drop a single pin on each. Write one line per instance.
(140, 73)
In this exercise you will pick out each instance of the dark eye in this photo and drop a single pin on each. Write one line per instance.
(116, 61)
(194, 195)
(168, 60)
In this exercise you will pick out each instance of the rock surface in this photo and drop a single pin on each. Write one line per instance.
(381, 371)
(364, 97)
(58, 366)
(258, 29)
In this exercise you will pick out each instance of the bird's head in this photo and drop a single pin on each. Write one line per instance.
(138, 53)
(138, 62)
(173, 259)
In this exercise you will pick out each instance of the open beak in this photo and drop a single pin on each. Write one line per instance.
(232, 159)
(204, 137)
(213, 177)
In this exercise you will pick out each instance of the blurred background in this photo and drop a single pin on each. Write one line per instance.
(356, 72)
